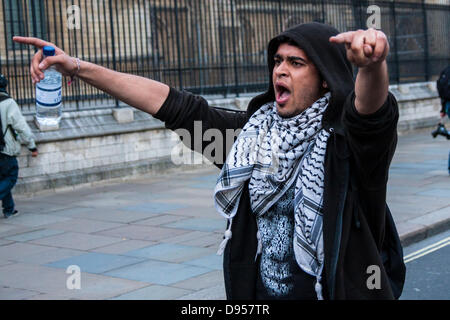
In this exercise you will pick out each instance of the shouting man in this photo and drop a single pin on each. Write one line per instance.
(304, 185)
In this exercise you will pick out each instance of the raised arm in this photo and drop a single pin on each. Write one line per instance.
(139, 92)
(367, 49)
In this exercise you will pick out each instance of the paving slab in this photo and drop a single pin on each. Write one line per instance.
(35, 219)
(140, 232)
(7, 293)
(152, 207)
(48, 256)
(212, 293)
(200, 224)
(212, 261)
(94, 262)
(53, 281)
(158, 272)
(33, 235)
(154, 292)
(78, 241)
(203, 281)
(171, 253)
(125, 245)
(161, 220)
(17, 250)
(84, 225)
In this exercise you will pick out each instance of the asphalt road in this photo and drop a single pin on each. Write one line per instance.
(428, 269)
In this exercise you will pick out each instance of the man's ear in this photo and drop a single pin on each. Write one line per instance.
(324, 84)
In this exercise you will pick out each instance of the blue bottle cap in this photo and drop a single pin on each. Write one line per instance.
(48, 51)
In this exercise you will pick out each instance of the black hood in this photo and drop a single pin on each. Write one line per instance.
(329, 58)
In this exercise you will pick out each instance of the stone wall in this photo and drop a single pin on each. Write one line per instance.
(98, 145)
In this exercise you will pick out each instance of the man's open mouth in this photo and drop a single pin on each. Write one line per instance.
(282, 93)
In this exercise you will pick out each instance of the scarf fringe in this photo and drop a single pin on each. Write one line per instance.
(227, 236)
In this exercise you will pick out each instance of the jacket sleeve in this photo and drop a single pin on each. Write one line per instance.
(372, 140)
(20, 126)
(202, 128)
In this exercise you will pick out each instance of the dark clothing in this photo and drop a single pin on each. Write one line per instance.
(9, 171)
(354, 222)
(357, 225)
(279, 276)
(443, 87)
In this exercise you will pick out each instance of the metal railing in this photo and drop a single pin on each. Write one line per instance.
(215, 47)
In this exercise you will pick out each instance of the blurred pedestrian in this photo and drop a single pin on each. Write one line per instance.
(14, 130)
(443, 87)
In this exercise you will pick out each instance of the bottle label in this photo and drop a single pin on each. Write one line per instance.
(48, 97)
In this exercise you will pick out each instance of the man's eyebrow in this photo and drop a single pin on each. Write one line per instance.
(290, 58)
(294, 58)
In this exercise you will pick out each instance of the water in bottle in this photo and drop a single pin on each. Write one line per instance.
(48, 96)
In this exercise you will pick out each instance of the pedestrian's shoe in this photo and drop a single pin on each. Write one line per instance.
(10, 215)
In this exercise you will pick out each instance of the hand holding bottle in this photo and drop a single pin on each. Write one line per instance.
(63, 63)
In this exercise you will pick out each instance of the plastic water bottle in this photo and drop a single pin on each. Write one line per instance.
(48, 95)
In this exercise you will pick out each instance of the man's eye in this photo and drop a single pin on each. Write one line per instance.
(296, 63)
(277, 61)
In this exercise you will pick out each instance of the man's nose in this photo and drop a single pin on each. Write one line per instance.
(281, 70)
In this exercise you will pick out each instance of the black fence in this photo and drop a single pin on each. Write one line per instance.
(209, 47)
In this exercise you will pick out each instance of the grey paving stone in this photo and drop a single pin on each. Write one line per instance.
(52, 281)
(152, 207)
(440, 193)
(108, 215)
(48, 256)
(211, 240)
(170, 252)
(5, 262)
(104, 202)
(200, 224)
(93, 262)
(212, 261)
(35, 220)
(4, 228)
(84, 225)
(33, 235)
(212, 293)
(78, 241)
(17, 250)
(143, 232)
(7, 293)
(39, 207)
(74, 211)
(5, 242)
(161, 220)
(203, 281)
(158, 272)
(186, 237)
(154, 292)
(124, 246)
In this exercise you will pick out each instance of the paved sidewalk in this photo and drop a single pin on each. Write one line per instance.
(156, 237)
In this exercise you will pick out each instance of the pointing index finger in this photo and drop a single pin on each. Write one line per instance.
(30, 40)
(344, 37)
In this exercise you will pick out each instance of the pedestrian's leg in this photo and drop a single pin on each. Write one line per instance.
(8, 179)
(8, 204)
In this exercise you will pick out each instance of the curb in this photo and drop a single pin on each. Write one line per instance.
(417, 232)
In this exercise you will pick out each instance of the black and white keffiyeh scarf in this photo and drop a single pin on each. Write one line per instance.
(271, 153)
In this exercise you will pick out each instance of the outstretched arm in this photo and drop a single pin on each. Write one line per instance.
(367, 49)
(139, 92)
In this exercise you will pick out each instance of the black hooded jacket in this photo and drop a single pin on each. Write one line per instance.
(363, 255)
